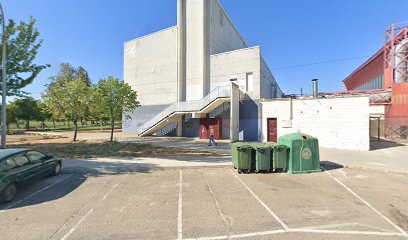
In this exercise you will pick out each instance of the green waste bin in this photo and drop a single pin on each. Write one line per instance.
(262, 154)
(244, 158)
(235, 154)
(303, 153)
(279, 155)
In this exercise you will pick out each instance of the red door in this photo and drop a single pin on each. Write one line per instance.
(206, 124)
(272, 130)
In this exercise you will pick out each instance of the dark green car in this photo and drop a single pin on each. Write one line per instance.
(22, 166)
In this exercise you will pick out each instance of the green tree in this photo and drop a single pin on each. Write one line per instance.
(11, 115)
(44, 113)
(68, 96)
(115, 98)
(22, 46)
(27, 109)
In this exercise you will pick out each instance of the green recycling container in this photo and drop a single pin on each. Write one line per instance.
(262, 154)
(303, 153)
(279, 155)
(244, 158)
(235, 153)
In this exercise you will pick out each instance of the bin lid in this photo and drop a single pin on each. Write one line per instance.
(296, 136)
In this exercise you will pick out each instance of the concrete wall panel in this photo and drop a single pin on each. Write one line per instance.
(341, 123)
(150, 67)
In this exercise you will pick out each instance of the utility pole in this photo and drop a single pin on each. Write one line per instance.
(4, 85)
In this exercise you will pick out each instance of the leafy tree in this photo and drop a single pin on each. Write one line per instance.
(22, 46)
(44, 113)
(115, 98)
(27, 109)
(68, 96)
(97, 112)
(11, 115)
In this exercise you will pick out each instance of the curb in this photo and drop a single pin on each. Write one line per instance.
(328, 166)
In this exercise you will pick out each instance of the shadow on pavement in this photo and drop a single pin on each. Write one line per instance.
(383, 144)
(327, 165)
(52, 188)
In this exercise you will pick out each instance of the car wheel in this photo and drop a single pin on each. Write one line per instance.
(57, 169)
(9, 193)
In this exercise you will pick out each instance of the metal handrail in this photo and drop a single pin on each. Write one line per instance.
(190, 106)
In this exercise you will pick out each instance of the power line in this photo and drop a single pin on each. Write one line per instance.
(317, 63)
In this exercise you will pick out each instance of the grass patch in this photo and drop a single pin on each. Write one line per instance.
(66, 149)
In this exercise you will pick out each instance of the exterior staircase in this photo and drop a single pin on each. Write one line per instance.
(213, 100)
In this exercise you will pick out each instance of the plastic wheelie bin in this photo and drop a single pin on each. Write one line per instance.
(234, 150)
(244, 160)
(303, 154)
(279, 155)
(262, 157)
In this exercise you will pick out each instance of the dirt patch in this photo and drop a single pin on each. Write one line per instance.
(67, 149)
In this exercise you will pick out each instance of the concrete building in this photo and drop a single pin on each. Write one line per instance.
(384, 77)
(197, 76)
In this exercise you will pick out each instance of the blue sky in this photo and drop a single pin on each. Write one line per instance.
(91, 33)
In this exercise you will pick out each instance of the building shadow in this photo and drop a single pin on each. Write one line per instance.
(383, 144)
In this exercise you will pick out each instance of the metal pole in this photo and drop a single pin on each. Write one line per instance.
(4, 84)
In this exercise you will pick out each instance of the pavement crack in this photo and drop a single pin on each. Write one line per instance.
(227, 219)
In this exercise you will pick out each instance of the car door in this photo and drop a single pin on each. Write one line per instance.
(39, 161)
(9, 172)
(25, 171)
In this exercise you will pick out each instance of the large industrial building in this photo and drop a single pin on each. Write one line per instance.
(185, 76)
(384, 77)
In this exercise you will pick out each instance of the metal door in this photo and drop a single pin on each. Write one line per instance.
(272, 130)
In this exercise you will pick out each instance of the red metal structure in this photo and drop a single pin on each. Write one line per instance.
(390, 67)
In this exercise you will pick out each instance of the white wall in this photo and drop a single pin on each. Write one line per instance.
(224, 35)
(341, 123)
(236, 64)
(269, 86)
(150, 67)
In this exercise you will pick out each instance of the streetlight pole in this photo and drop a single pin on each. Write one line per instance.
(4, 84)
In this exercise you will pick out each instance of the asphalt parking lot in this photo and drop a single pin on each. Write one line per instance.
(210, 204)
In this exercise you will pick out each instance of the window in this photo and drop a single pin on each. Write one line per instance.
(7, 164)
(21, 160)
(35, 156)
(249, 82)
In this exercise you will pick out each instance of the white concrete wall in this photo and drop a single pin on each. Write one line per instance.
(194, 44)
(269, 88)
(150, 67)
(341, 123)
(237, 64)
(224, 35)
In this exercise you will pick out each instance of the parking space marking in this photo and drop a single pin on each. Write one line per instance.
(75, 227)
(368, 205)
(35, 194)
(261, 202)
(299, 230)
(180, 209)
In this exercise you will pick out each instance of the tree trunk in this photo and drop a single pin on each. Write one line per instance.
(112, 128)
(43, 125)
(75, 130)
(53, 122)
(28, 125)
(100, 123)
(18, 125)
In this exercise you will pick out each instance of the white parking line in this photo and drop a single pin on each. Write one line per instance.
(180, 209)
(72, 230)
(369, 205)
(297, 230)
(261, 202)
(34, 194)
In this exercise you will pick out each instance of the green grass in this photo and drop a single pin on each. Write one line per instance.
(60, 126)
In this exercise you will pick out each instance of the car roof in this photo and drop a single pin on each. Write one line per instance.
(7, 152)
